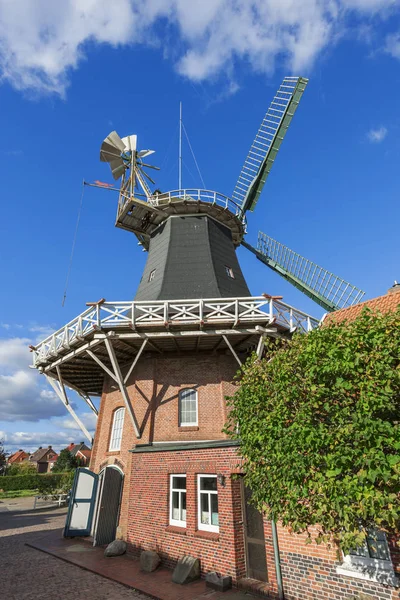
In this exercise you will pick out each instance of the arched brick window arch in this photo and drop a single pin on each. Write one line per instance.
(188, 407)
(117, 429)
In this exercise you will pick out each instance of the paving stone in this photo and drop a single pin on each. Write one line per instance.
(27, 574)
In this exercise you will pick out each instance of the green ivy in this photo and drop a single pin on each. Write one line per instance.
(319, 428)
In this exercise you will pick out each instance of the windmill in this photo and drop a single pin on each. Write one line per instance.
(192, 234)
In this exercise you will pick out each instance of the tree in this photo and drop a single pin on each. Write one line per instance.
(65, 462)
(23, 468)
(319, 423)
(3, 458)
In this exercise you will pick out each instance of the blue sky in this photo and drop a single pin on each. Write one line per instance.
(70, 75)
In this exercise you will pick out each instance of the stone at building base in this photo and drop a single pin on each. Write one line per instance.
(187, 570)
(149, 561)
(116, 548)
(215, 582)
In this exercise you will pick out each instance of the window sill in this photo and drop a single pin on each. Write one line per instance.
(213, 536)
(188, 428)
(176, 529)
(368, 573)
(113, 452)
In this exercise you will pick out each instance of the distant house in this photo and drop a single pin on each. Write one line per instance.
(17, 457)
(82, 453)
(44, 459)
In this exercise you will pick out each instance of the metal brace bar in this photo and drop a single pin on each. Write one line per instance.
(118, 378)
(60, 391)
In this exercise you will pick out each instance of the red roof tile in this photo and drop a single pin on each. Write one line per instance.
(388, 302)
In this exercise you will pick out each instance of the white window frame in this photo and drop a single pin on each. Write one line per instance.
(368, 568)
(114, 445)
(196, 421)
(152, 274)
(202, 526)
(229, 272)
(176, 522)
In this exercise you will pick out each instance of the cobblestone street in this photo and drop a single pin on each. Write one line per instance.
(27, 574)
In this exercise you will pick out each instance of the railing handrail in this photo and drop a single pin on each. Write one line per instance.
(206, 311)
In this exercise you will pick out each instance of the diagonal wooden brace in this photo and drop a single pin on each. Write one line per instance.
(58, 387)
(121, 384)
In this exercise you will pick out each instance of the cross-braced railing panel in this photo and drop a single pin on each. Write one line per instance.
(166, 314)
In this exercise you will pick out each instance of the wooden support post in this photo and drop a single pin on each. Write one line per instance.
(60, 391)
(260, 346)
(102, 365)
(227, 342)
(133, 365)
(118, 378)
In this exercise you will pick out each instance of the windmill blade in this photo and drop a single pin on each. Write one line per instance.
(143, 153)
(326, 289)
(111, 147)
(267, 142)
(117, 167)
(130, 143)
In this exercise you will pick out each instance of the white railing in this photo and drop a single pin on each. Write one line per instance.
(167, 313)
(195, 195)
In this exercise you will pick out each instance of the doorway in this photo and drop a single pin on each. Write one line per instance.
(254, 540)
(107, 505)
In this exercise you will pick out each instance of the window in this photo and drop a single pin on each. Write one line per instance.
(152, 275)
(177, 502)
(229, 272)
(187, 407)
(371, 561)
(208, 503)
(116, 432)
(375, 547)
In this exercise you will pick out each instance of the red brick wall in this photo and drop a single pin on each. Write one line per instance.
(309, 573)
(148, 519)
(153, 390)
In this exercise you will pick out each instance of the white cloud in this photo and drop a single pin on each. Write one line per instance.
(376, 136)
(21, 394)
(89, 419)
(30, 441)
(41, 42)
(14, 353)
(393, 45)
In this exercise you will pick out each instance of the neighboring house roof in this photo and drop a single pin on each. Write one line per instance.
(20, 454)
(86, 453)
(41, 455)
(74, 448)
(389, 302)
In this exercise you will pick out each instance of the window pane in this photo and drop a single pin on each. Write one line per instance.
(208, 483)
(188, 406)
(204, 509)
(179, 483)
(183, 506)
(116, 434)
(377, 544)
(214, 509)
(175, 506)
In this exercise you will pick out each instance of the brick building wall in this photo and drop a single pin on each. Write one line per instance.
(149, 527)
(153, 390)
(309, 572)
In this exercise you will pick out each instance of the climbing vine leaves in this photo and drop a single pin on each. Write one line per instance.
(319, 427)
